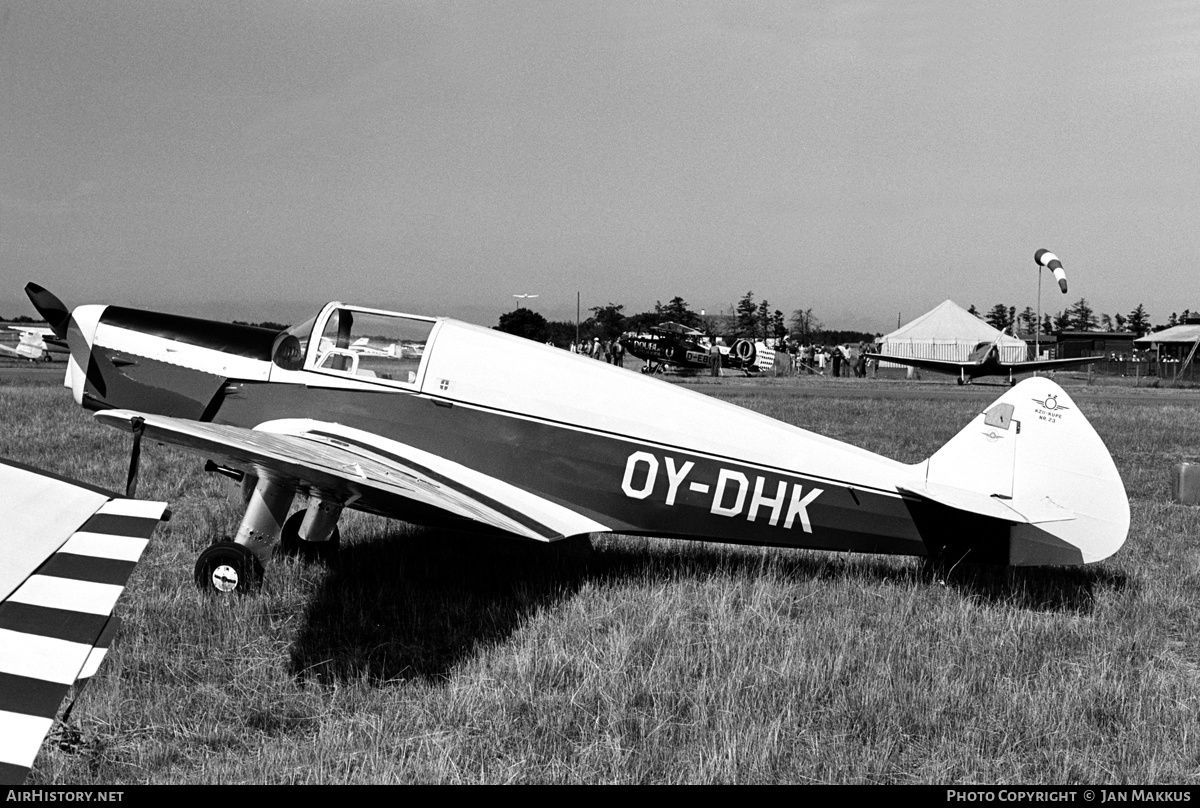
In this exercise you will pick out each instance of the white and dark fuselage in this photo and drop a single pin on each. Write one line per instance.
(626, 453)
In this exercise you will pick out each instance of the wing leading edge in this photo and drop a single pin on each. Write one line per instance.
(367, 471)
(63, 570)
(1049, 364)
(938, 365)
(955, 368)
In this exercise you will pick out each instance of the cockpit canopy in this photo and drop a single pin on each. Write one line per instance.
(355, 341)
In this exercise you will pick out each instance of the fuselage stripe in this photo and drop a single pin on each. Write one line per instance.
(442, 479)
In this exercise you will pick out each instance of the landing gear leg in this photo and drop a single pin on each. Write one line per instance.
(237, 566)
(312, 534)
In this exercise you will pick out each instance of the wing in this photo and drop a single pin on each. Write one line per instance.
(368, 472)
(8, 350)
(63, 569)
(939, 365)
(1048, 364)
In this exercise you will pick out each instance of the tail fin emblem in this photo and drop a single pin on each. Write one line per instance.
(1051, 403)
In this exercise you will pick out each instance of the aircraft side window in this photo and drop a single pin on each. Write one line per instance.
(373, 345)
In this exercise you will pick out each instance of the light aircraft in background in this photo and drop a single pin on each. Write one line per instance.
(36, 344)
(471, 434)
(675, 345)
(984, 360)
(62, 569)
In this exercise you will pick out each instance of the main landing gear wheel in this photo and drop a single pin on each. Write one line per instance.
(227, 567)
(290, 543)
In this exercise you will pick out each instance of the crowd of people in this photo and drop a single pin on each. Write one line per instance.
(838, 360)
(610, 351)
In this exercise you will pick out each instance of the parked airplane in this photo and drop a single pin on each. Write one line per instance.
(544, 445)
(676, 345)
(33, 344)
(984, 360)
(62, 569)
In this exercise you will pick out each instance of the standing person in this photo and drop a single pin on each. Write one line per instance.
(837, 361)
(595, 352)
(618, 353)
(714, 358)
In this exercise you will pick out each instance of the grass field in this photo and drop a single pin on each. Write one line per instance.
(431, 657)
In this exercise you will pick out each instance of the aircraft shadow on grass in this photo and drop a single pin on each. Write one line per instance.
(417, 608)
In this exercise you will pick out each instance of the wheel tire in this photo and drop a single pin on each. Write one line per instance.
(227, 568)
(292, 546)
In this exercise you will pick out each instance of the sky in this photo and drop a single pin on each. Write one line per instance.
(866, 160)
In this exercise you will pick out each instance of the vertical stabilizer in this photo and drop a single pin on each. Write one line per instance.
(1031, 460)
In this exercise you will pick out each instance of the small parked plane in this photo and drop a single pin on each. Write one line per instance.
(36, 344)
(547, 444)
(676, 345)
(984, 360)
(62, 569)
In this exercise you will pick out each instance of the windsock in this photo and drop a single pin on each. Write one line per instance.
(1047, 259)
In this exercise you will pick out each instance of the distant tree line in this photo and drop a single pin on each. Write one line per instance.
(1077, 317)
(746, 318)
(265, 324)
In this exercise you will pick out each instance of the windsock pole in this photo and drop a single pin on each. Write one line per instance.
(1037, 332)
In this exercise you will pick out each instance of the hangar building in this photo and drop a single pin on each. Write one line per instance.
(1176, 342)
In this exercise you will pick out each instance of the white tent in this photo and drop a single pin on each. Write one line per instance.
(949, 331)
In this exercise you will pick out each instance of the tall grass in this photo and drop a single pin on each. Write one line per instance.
(436, 657)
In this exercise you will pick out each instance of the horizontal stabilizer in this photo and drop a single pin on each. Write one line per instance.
(1044, 510)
